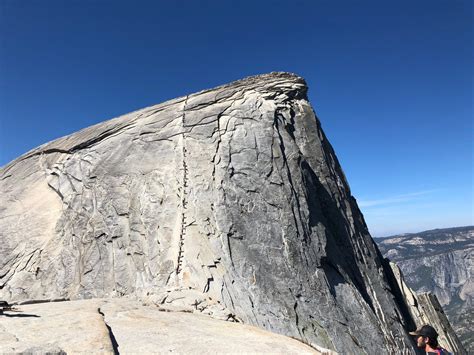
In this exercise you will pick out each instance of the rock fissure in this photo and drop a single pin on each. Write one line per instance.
(113, 340)
(293, 200)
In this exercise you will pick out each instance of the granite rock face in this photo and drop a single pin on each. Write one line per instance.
(228, 202)
(440, 261)
(124, 326)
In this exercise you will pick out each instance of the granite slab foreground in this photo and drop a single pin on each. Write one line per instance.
(126, 326)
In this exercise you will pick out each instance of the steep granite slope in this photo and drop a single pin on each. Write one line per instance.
(229, 202)
(440, 261)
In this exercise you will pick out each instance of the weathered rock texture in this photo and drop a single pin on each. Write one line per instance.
(424, 308)
(229, 202)
(440, 261)
(123, 326)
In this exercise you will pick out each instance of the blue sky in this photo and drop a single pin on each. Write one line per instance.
(391, 82)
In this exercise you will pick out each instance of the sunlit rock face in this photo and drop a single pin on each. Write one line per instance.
(124, 326)
(228, 202)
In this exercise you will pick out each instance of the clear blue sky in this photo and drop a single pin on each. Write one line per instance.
(391, 82)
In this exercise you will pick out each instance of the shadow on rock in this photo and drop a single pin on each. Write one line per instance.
(22, 315)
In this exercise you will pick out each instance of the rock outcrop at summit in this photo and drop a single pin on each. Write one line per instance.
(228, 202)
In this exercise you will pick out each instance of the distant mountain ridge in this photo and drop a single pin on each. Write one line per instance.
(440, 261)
(435, 241)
